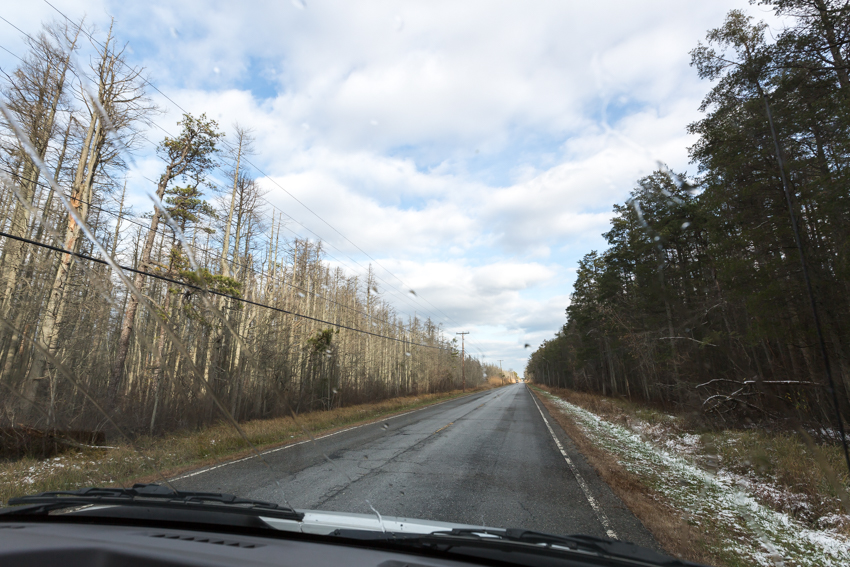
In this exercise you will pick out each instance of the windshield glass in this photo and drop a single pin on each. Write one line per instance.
(577, 268)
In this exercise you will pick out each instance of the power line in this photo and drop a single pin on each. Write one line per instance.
(220, 294)
(19, 29)
(261, 172)
(219, 256)
(248, 267)
(12, 54)
(401, 294)
(209, 252)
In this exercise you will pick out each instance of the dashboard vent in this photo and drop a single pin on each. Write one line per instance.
(210, 540)
(8, 527)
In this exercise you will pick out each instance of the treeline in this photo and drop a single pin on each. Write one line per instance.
(220, 313)
(700, 300)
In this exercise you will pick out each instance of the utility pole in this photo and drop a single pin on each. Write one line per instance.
(462, 356)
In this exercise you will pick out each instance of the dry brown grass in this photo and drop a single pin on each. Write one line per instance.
(123, 465)
(787, 471)
(810, 477)
(672, 532)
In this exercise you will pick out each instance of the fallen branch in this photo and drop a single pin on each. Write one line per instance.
(687, 338)
(752, 381)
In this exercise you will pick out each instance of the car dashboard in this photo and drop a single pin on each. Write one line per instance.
(86, 544)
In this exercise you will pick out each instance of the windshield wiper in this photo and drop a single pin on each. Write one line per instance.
(485, 537)
(606, 546)
(148, 495)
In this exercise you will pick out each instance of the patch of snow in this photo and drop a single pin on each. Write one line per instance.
(729, 502)
(834, 521)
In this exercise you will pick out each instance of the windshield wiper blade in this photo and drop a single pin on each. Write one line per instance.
(532, 537)
(588, 543)
(156, 495)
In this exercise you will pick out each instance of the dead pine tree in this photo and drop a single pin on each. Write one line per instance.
(113, 110)
(34, 94)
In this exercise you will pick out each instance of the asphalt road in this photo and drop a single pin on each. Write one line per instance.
(485, 459)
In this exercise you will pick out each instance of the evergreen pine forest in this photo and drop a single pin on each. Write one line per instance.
(699, 303)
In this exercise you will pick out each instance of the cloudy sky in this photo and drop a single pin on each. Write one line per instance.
(472, 149)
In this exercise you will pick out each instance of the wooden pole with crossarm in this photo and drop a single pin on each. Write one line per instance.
(462, 357)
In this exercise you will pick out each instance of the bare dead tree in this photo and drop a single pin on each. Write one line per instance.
(113, 111)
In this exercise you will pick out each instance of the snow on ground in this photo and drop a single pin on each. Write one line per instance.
(42, 469)
(723, 504)
(78, 470)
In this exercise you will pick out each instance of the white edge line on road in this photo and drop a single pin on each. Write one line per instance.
(276, 449)
(603, 519)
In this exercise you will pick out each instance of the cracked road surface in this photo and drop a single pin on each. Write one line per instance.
(487, 458)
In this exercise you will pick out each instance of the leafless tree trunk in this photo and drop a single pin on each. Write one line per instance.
(115, 110)
(34, 99)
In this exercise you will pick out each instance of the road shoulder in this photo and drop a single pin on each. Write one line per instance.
(700, 513)
(620, 500)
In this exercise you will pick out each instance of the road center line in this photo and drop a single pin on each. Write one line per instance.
(603, 519)
(276, 449)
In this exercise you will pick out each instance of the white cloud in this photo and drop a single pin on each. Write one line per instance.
(473, 148)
